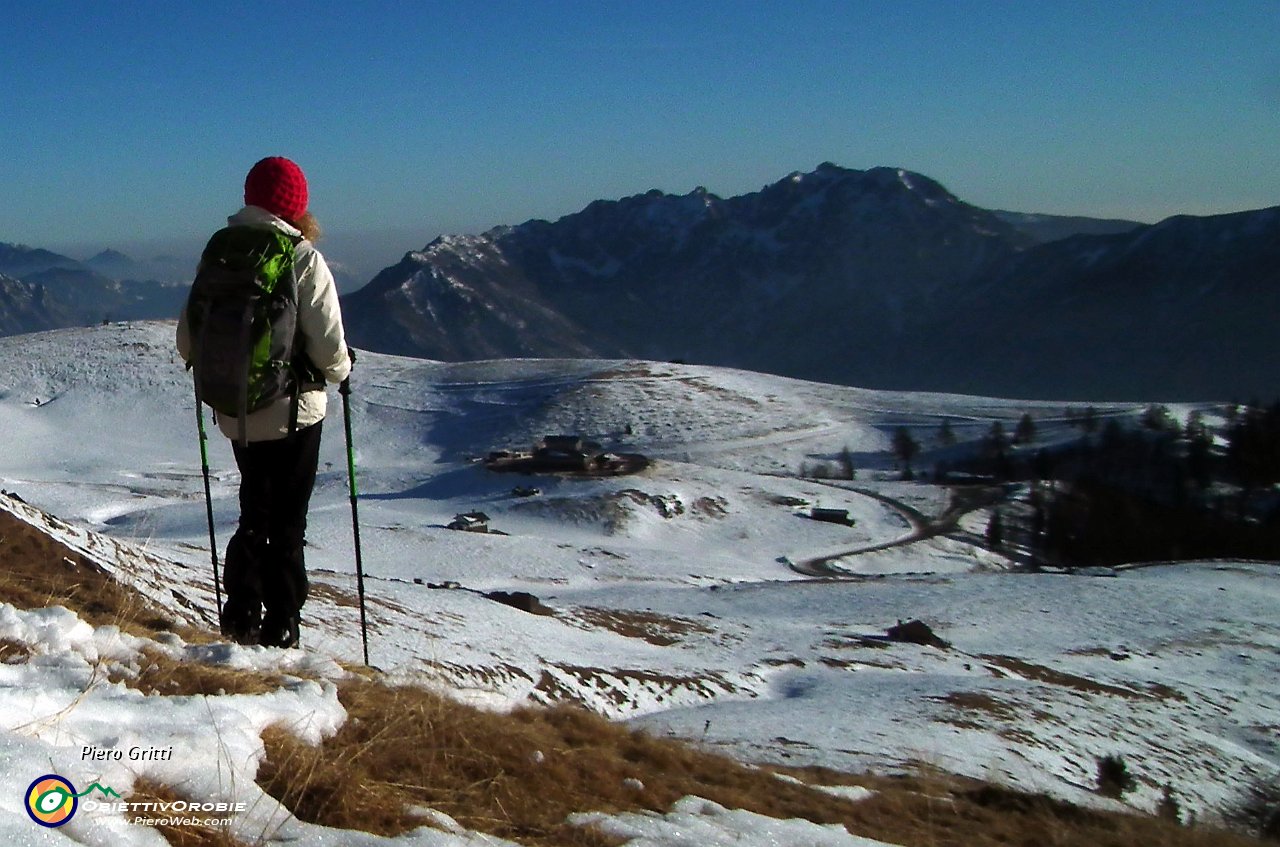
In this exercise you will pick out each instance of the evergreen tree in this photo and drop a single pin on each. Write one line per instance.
(1025, 433)
(1089, 423)
(1253, 446)
(1043, 466)
(1195, 427)
(847, 470)
(995, 531)
(946, 437)
(997, 442)
(1168, 807)
(1199, 451)
(1113, 437)
(906, 448)
(1157, 418)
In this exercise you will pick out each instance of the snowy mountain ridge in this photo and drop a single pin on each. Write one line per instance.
(880, 278)
(652, 274)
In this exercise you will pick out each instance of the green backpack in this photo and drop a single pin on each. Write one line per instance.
(242, 313)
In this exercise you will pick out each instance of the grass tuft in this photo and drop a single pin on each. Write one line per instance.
(166, 675)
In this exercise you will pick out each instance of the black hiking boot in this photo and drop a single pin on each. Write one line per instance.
(279, 631)
(241, 622)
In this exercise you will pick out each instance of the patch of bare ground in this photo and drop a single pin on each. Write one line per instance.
(1049, 676)
(662, 630)
(967, 702)
(13, 652)
(630, 370)
(336, 596)
(704, 385)
(710, 507)
(857, 664)
(854, 642)
(495, 677)
(619, 685)
(790, 661)
(931, 809)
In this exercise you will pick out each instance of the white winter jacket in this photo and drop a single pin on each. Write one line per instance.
(319, 321)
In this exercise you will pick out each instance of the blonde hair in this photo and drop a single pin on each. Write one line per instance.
(309, 227)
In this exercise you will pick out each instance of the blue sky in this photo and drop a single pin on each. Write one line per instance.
(131, 122)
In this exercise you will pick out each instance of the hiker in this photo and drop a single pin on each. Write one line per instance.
(277, 446)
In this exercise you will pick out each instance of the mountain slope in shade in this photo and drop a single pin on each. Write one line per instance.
(18, 260)
(727, 281)
(1181, 309)
(879, 278)
(25, 307)
(43, 290)
(1046, 228)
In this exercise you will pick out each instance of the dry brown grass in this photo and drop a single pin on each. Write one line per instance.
(1040, 673)
(662, 630)
(166, 675)
(13, 652)
(37, 571)
(518, 776)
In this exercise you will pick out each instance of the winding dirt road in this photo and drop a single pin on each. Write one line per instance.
(963, 501)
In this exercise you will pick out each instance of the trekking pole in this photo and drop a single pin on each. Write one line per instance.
(345, 390)
(208, 500)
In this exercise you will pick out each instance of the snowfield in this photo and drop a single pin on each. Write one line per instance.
(674, 598)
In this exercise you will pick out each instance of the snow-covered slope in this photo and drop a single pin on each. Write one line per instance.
(673, 594)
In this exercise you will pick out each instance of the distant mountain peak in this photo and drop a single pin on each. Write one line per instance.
(19, 260)
(110, 255)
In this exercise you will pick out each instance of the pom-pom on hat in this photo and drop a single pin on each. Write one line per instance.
(277, 185)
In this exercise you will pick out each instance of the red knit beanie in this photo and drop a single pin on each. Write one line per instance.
(277, 185)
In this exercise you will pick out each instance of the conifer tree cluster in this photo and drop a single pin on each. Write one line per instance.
(1138, 487)
(1253, 451)
(1162, 490)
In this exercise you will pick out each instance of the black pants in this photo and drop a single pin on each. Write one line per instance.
(265, 564)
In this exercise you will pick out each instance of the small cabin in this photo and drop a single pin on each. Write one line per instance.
(562, 444)
(565, 452)
(840, 516)
(470, 522)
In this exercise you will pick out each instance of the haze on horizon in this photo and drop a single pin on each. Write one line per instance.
(133, 128)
